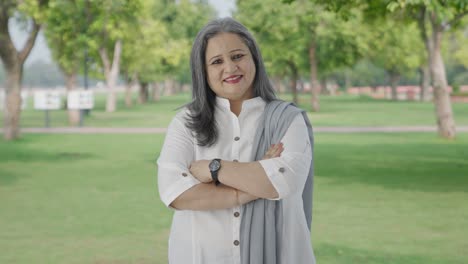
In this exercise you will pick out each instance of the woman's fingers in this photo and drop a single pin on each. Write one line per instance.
(274, 151)
(277, 150)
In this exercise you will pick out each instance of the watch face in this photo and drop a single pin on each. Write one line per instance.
(214, 165)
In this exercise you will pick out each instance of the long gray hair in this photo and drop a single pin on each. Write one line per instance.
(201, 119)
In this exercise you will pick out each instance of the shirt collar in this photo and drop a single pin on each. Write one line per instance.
(247, 105)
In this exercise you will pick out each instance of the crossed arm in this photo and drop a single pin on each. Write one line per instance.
(281, 172)
(242, 182)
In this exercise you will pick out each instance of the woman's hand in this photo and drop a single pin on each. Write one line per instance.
(200, 170)
(274, 151)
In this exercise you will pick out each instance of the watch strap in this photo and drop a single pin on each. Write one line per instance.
(214, 174)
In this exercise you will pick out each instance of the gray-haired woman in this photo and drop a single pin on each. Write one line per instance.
(236, 165)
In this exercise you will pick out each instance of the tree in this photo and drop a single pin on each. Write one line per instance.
(396, 48)
(436, 17)
(279, 35)
(32, 12)
(159, 49)
(303, 37)
(65, 33)
(183, 19)
(145, 48)
(109, 23)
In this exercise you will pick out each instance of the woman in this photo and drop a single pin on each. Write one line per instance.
(236, 165)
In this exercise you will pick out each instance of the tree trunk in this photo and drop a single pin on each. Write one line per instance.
(293, 81)
(315, 86)
(12, 111)
(129, 83)
(424, 82)
(169, 86)
(347, 79)
(128, 93)
(13, 61)
(143, 93)
(425, 71)
(443, 105)
(178, 87)
(276, 83)
(156, 92)
(73, 114)
(394, 80)
(111, 72)
(323, 86)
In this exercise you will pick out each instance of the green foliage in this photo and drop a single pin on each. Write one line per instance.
(286, 31)
(183, 20)
(444, 11)
(459, 45)
(66, 33)
(278, 33)
(396, 47)
(34, 9)
(159, 46)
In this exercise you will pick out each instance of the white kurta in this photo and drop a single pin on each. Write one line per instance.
(212, 237)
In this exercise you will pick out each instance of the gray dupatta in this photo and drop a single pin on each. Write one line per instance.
(262, 220)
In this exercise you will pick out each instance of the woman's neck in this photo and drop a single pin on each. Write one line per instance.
(236, 107)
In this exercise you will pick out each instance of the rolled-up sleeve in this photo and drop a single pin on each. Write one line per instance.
(177, 154)
(288, 173)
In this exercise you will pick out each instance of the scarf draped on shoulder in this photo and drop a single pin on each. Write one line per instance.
(262, 219)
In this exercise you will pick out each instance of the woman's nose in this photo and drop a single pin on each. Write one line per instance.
(230, 67)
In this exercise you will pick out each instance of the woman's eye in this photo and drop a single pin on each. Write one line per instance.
(218, 61)
(237, 56)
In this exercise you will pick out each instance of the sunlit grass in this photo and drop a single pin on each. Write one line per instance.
(379, 198)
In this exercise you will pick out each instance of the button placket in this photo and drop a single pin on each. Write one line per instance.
(235, 150)
(235, 213)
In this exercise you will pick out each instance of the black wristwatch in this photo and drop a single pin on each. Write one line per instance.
(214, 166)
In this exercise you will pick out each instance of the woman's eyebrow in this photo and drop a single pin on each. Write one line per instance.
(234, 50)
(214, 57)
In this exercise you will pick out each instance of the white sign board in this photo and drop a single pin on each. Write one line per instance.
(83, 99)
(47, 100)
(24, 100)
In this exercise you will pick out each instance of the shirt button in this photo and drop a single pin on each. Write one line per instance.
(235, 160)
(184, 174)
(236, 138)
(281, 170)
(236, 214)
(236, 242)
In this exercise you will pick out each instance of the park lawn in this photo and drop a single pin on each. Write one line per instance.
(378, 198)
(344, 110)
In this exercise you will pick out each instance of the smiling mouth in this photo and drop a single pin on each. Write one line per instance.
(233, 79)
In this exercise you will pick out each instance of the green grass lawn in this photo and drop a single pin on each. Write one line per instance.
(343, 110)
(379, 198)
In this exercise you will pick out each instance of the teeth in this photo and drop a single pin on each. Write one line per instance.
(232, 78)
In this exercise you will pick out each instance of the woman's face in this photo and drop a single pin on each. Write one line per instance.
(230, 67)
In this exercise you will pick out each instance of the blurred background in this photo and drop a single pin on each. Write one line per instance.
(88, 87)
